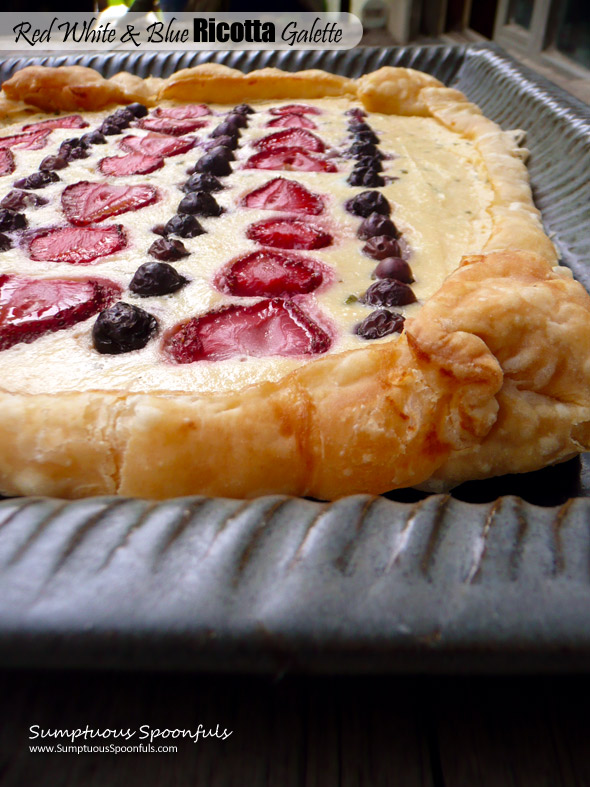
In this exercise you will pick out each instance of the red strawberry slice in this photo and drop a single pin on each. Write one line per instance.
(75, 245)
(171, 125)
(181, 113)
(84, 202)
(131, 164)
(270, 274)
(7, 164)
(289, 234)
(269, 327)
(291, 138)
(291, 121)
(30, 308)
(282, 194)
(289, 159)
(295, 109)
(30, 140)
(69, 121)
(157, 145)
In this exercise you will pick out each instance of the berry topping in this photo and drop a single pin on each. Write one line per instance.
(376, 224)
(30, 308)
(110, 127)
(363, 133)
(176, 127)
(221, 151)
(17, 200)
(379, 323)
(388, 292)
(7, 164)
(214, 162)
(38, 180)
(269, 327)
(156, 278)
(30, 140)
(291, 138)
(156, 145)
(122, 328)
(244, 109)
(361, 149)
(183, 112)
(287, 195)
(122, 117)
(202, 181)
(368, 202)
(379, 247)
(51, 163)
(200, 203)
(73, 149)
(84, 202)
(289, 159)
(184, 225)
(270, 274)
(366, 176)
(295, 109)
(94, 138)
(291, 121)
(225, 141)
(227, 127)
(288, 234)
(5, 242)
(76, 245)
(69, 121)
(10, 220)
(168, 249)
(139, 110)
(394, 268)
(131, 164)
(356, 112)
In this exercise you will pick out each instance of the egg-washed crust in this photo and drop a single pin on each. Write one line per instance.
(492, 376)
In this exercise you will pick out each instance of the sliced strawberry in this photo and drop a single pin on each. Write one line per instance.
(291, 138)
(184, 112)
(69, 121)
(7, 164)
(289, 159)
(288, 234)
(295, 109)
(270, 274)
(30, 308)
(171, 126)
(29, 140)
(84, 202)
(131, 164)
(269, 327)
(282, 194)
(291, 121)
(157, 145)
(75, 245)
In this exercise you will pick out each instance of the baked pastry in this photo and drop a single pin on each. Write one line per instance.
(237, 284)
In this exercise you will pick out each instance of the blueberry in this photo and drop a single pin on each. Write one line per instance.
(109, 127)
(376, 224)
(379, 323)
(156, 278)
(362, 149)
(369, 162)
(10, 220)
(368, 202)
(356, 112)
(185, 225)
(202, 181)
(227, 127)
(138, 110)
(379, 247)
(71, 150)
(17, 200)
(122, 328)
(365, 176)
(53, 162)
(388, 292)
(394, 268)
(122, 117)
(5, 242)
(38, 180)
(365, 135)
(200, 203)
(94, 138)
(244, 109)
(237, 119)
(215, 162)
(168, 249)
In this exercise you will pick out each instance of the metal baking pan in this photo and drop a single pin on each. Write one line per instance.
(494, 577)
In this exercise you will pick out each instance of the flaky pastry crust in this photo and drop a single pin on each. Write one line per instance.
(492, 375)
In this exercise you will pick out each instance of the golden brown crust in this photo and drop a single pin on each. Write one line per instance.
(490, 377)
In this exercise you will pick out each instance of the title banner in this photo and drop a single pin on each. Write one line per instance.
(116, 29)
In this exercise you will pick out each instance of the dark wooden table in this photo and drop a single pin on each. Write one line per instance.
(310, 732)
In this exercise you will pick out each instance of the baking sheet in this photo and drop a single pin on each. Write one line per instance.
(494, 577)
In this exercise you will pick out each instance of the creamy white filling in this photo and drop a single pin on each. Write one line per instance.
(439, 198)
